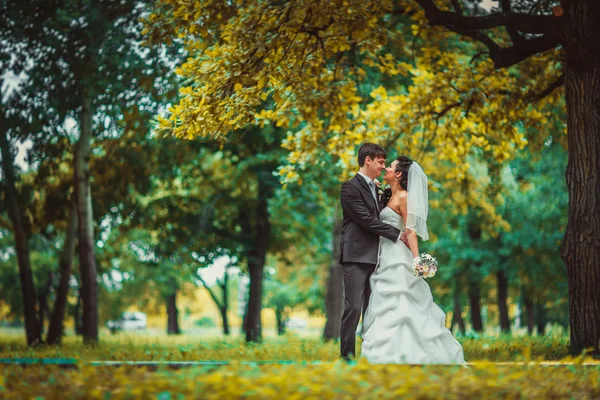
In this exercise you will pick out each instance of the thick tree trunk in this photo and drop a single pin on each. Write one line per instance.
(253, 318)
(13, 205)
(87, 261)
(474, 302)
(172, 315)
(502, 285)
(334, 298)
(581, 247)
(56, 328)
(256, 263)
(457, 310)
(528, 301)
(541, 318)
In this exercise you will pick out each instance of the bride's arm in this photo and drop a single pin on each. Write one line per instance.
(411, 236)
(413, 242)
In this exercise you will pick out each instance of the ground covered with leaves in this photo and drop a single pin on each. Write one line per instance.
(498, 367)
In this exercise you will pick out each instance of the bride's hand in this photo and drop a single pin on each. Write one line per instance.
(404, 239)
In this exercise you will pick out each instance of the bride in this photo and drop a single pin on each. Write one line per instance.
(402, 324)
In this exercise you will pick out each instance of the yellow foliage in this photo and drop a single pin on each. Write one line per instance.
(304, 65)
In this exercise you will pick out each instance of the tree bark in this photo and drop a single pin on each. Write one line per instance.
(581, 246)
(87, 261)
(172, 315)
(256, 263)
(457, 311)
(13, 205)
(280, 321)
(474, 302)
(334, 298)
(43, 303)
(77, 314)
(502, 285)
(540, 318)
(56, 328)
(528, 301)
(225, 306)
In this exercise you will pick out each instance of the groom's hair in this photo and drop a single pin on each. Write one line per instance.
(372, 150)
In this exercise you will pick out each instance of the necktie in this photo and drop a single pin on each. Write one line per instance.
(374, 193)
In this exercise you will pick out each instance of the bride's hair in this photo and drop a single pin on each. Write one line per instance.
(402, 166)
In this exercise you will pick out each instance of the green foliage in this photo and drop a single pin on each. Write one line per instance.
(205, 322)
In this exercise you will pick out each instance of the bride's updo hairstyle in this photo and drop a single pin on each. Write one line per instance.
(402, 166)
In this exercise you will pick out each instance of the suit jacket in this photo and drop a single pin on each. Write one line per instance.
(361, 226)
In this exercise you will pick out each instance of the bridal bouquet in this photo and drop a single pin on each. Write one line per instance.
(424, 266)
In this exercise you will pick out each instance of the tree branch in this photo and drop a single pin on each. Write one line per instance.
(515, 37)
(212, 294)
(560, 81)
(506, 56)
(526, 23)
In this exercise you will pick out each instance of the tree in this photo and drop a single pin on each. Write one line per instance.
(86, 61)
(570, 26)
(21, 237)
(311, 59)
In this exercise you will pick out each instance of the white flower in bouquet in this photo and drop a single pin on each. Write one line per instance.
(425, 266)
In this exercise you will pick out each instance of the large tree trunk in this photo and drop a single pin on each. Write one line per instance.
(253, 318)
(581, 247)
(87, 261)
(502, 284)
(457, 310)
(334, 298)
(256, 263)
(56, 328)
(13, 205)
(172, 315)
(474, 302)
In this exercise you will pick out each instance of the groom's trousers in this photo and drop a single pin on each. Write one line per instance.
(356, 299)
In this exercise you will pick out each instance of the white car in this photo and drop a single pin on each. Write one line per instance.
(129, 321)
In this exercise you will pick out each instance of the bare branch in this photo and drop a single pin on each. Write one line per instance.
(212, 294)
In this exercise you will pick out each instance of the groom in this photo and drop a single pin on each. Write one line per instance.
(361, 229)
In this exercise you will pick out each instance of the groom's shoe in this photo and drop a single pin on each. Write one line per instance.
(348, 358)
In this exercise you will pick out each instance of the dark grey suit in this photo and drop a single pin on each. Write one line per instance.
(361, 229)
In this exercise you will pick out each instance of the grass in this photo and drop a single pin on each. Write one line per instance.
(140, 347)
(315, 373)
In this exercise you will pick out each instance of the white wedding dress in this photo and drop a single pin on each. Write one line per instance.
(402, 324)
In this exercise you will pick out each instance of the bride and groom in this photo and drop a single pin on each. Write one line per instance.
(401, 323)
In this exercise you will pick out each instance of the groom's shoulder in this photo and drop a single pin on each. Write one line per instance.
(350, 181)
